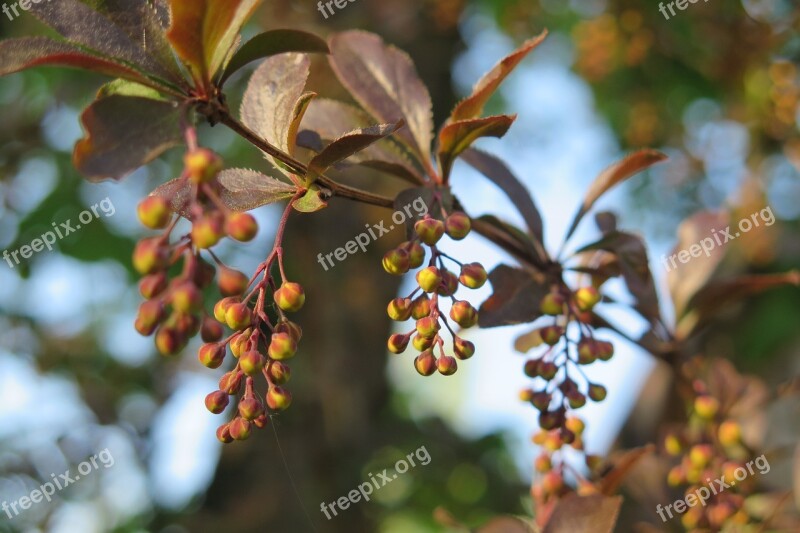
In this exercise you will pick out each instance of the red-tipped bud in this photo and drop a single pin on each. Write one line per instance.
(185, 324)
(150, 315)
(252, 362)
(261, 421)
(278, 398)
(221, 308)
(241, 226)
(429, 230)
(231, 382)
(421, 343)
(457, 225)
(250, 408)
(464, 314)
(552, 304)
(211, 355)
(706, 407)
(447, 365)
(429, 278)
(240, 428)
(396, 262)
(597, 392)
(207, 231)
(153, 285)
(463, 349)
(526, 395)
(293, 329)
(186, 298)
(729, 433)
(575, 425)
(398, 343)
(587, 351)
(150, 256)
(586, 298)
(548, 420)
(169, 341)
(202, 165)
(239, 342)
(428, 327)
(204, 274)
(543, 463)
(290, 297)
(552, 483)
(210, 330)
(224, 434)
(576, 399)
(282, 346)
(700, 455)
(421, 307)
(238, 316)
(231, 282)
(217, 401)
(605, 350)
(279, 373)
(673, 445)
(473, 275)
(551, 335)
(154, 212)
(547, 370)
(531, 368)
(399, 309)
(425, 363)
(416, 253)
(449, 284)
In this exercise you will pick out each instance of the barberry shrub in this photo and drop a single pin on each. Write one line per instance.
(171, 63)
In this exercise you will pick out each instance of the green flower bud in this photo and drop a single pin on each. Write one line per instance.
(457, 225)
(552, 304)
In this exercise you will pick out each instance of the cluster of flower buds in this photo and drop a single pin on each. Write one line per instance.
(714, 464)
(434, 282)
(561, 384)
(174, 307)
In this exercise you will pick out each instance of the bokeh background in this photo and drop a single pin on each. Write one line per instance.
(716, 87)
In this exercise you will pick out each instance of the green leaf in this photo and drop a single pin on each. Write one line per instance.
(271, 99)
(498, 172)
(616, 173)
(26, 52)
(314, 200)
(128, 88)
(83, 25)
(124, 133)
(383, 81)
(456, 137)
(472, 106)
(595, 513)
(240, 190)
(327, 119)
(300, 108)
(203, 31)
(515, 299)
(347, 145)
(271, 43)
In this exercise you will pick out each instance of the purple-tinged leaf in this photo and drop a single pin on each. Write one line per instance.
(240, 189)
(300, 108)
(271, 98)
(328, 119)
(123, 133)
(347, 145)
(515, 298)
(384, 81)
(509, 238)
(456, 137)
(498, 172)
(616, 173)
(271, 43)
(595, 513)
(472, 106)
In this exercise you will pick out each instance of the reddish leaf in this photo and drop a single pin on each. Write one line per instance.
(347, 145)
(498, 172)
(271, 98)
(384, 81)
(595, 513)
(203, 32)
(271, 43)
(684, 280)
(513, 240)
(26, 52)
(472, 106)
(616, 173)
(458, 136)
(327, 119)
(515, 298)
(124, 133)
(240, 190)
(83, 25)
(622, 464)
(505, 524)
(633, 263)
